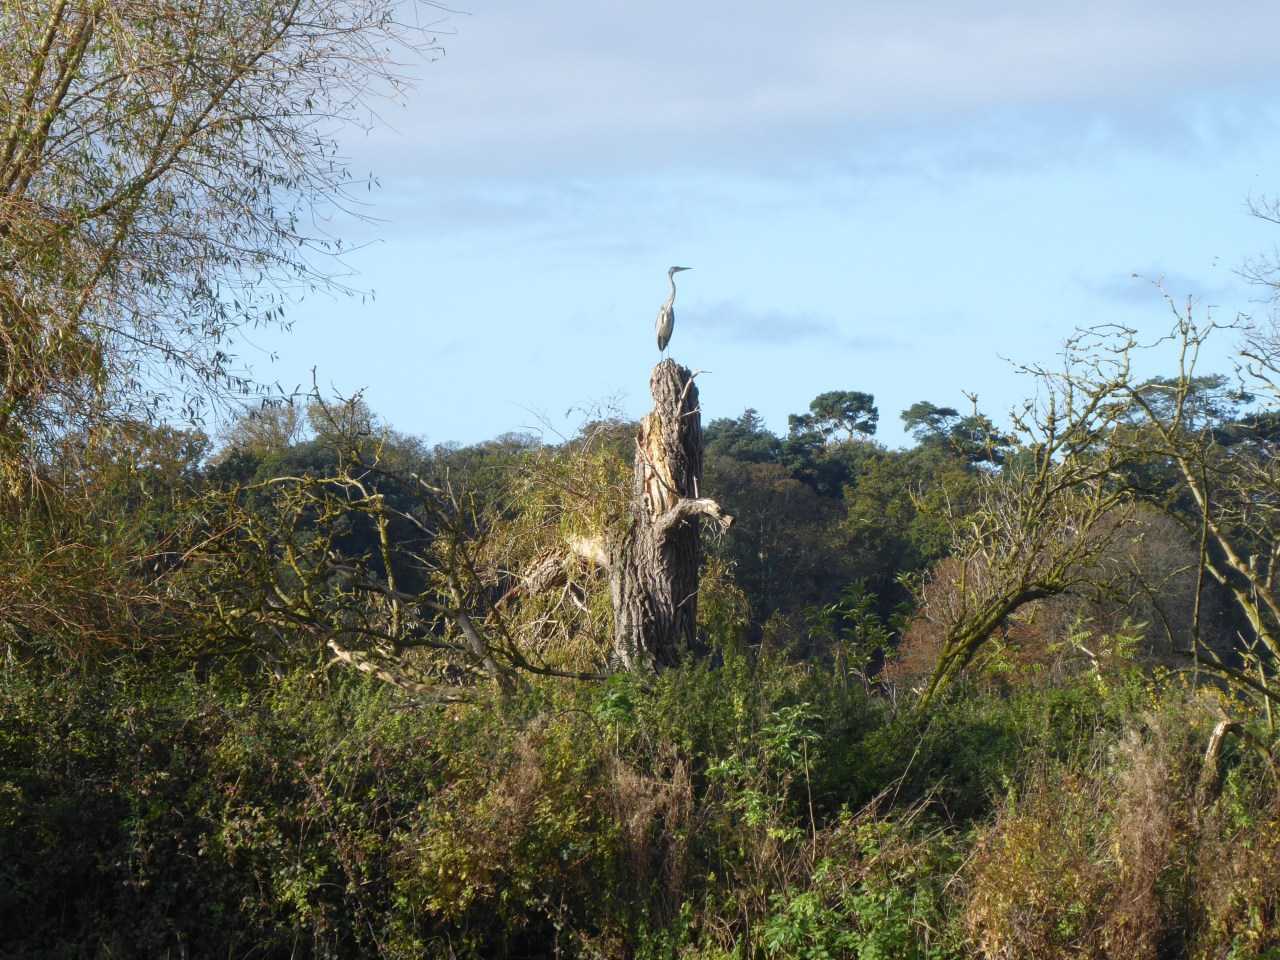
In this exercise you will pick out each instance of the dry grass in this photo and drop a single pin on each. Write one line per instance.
(655, 814)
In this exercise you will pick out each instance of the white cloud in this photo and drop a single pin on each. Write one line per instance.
(613, 85)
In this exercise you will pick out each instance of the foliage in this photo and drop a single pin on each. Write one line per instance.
(1037, 531)
(157, 161)
(746, 439)
(751, 809)
(876, 895)
(849, 411)
(85, 567)
(975, 437)
(815, 513)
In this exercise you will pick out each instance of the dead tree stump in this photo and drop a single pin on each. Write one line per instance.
(653, 564)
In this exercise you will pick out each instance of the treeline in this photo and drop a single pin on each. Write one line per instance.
(817, 511)
(826, 519)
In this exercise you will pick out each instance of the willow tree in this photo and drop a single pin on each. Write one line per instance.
(653, 560)
(1199, 447)
(1041, 525)
(1216, 442)
(160, 162)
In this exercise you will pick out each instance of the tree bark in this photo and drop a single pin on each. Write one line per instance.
(653, 565)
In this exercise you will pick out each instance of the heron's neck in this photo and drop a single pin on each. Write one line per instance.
(671, 279)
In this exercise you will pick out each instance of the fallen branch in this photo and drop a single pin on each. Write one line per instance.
(388, 674)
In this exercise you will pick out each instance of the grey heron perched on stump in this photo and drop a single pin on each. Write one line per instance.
(667, 315)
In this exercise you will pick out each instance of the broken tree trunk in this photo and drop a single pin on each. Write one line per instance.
(653, 565)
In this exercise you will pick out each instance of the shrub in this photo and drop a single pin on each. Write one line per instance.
(1091, 857)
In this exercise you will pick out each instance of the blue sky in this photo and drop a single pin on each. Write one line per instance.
(896, 197)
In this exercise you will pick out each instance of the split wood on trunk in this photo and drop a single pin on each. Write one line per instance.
(653, 565)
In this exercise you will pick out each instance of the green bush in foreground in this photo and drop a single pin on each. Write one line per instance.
(754, 809)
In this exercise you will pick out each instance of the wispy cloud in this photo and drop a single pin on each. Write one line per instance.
(736, 323)
(1146, 287)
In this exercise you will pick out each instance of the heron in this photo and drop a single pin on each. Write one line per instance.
(667, 315)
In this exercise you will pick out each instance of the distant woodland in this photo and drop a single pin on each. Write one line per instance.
(680, 687)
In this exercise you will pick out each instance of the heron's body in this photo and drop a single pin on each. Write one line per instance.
(666, 323)
(667, 313)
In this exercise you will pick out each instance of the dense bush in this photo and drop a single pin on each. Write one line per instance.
(753, 808)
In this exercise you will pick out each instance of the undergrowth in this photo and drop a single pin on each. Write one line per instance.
(750, 809)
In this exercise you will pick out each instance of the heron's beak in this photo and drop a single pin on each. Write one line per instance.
(678, 269)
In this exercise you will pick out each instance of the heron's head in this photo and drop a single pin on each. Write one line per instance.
(674, 270)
